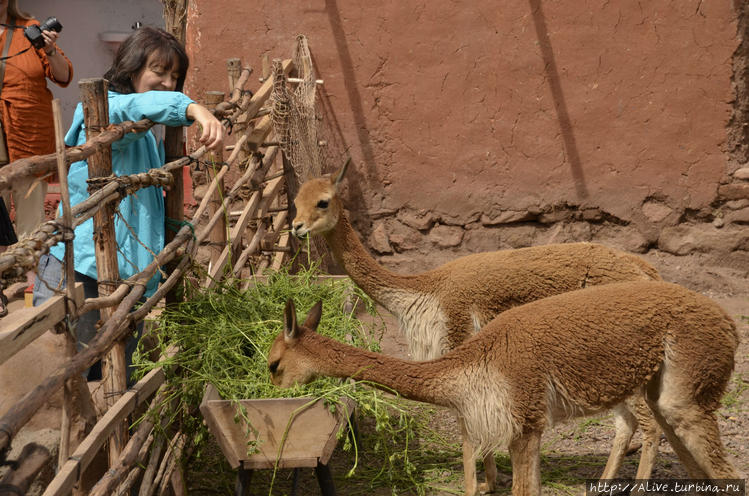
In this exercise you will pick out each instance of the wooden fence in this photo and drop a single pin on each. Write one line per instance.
(263, 216)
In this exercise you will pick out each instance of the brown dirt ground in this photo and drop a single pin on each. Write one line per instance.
(572, 452)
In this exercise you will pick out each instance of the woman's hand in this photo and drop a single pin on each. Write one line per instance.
(50, 38)
(213, 132)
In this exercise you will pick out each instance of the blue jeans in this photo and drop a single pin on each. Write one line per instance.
(51, 271)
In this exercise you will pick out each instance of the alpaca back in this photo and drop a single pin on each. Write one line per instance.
(584, 351)
(445, 306)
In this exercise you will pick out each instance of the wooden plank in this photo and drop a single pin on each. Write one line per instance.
(66, 478)
(260, 132)
(278, 258)
(25, 325)
(305, 440)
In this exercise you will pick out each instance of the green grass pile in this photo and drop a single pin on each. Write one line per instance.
(223, 336)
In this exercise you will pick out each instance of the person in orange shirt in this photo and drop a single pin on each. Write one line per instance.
(26, 107)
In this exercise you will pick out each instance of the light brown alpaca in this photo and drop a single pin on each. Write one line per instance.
(565, 356)
(441, 308)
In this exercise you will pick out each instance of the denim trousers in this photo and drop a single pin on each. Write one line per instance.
(50, 280)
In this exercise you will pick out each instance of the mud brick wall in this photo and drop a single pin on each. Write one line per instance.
(476, 127)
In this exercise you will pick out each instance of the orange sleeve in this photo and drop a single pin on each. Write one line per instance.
(48, 67)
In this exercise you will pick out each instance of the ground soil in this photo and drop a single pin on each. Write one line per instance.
(572, 452)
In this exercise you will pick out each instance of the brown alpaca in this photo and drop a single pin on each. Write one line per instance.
(565, 356)
(441, 308)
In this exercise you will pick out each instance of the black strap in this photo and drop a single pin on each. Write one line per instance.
(8, 38)
(10, 28)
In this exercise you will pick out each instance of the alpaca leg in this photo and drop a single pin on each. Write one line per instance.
(698, 432)
(526, 464)
(690, 427)
(625, 424)
(490, 470)
(469, 462)
(693, 468)
(651, 437)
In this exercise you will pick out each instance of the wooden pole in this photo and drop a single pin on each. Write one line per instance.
(175, 21)
(136, 450)
(233, 67)
(96, 118)
(67, 220)
(174, 202)
(42, 164)
(218, 234)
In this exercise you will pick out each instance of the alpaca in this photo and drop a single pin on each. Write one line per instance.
(441, 308)
(565, 356)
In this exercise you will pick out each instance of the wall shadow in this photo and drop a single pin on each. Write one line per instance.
(365, 171)
(560, 105)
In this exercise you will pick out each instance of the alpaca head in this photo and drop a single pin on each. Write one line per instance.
(289, 360)
(318, 207)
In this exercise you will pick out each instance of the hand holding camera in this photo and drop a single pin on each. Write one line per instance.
(44, 35)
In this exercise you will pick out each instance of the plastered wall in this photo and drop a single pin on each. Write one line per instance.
(480, 125)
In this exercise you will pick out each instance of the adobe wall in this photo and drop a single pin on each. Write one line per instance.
(474, 127)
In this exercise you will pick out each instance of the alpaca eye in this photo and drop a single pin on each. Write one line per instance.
(322, 204)
(273, 366)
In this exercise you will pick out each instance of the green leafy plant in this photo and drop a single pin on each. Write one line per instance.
(223, 336)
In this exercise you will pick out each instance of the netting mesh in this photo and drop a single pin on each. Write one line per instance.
(294, 114)
(304, 125)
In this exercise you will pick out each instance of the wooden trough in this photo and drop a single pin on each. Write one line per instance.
(305, 429)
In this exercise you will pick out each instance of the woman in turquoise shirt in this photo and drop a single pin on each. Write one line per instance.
(146, 80)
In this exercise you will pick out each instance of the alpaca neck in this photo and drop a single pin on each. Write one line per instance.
(383, 286)
(429, 382)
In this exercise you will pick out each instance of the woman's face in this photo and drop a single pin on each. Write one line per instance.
(154, 76)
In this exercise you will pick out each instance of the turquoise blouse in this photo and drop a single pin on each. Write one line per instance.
(134, 153)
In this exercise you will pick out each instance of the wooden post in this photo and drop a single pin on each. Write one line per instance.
(175, 20)
(174, 203)
(265, 64)
(217, 238)
(233, 67)
(96, 118)
(67, 219)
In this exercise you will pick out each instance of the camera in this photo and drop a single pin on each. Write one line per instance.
(34, 32)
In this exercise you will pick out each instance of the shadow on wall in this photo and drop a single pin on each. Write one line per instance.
(552, 75)
(337, 150)
(366, 170)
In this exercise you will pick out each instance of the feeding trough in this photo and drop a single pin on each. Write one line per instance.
(287, 433)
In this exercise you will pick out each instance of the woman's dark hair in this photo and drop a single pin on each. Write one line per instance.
(133, 54)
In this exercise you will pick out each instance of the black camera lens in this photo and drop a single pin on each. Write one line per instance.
(51, 24)
(34, 33)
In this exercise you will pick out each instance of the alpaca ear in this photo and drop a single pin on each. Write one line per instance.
(313, 317)
(341, 172)
(290, 329)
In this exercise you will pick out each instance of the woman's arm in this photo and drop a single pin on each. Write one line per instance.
(213, 132)
(58, 64)
(165, 107)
